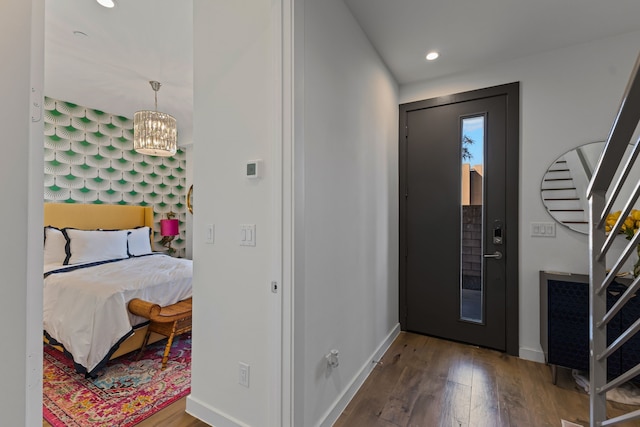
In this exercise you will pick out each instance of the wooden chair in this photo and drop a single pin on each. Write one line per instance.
(172, 320)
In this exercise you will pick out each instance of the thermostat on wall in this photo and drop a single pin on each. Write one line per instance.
(253, 168)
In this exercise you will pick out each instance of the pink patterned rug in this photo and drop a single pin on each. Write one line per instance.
(124, 394)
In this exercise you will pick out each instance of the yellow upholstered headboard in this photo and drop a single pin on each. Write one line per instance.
(90, 217)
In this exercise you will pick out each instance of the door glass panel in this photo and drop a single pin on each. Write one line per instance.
(471, 277)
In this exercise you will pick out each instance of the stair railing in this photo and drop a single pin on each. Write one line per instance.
(602, 193)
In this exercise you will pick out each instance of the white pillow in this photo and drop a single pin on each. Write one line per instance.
(54, 246)
(139, 241)
(95, 245)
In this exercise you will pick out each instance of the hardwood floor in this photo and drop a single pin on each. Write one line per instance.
(173, 416)
(427, 382)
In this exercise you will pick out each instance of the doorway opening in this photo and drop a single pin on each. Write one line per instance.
(458, 217)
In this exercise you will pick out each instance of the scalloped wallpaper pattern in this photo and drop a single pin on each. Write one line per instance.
(89, 158)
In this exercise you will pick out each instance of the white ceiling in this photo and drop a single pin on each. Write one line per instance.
(125, 47)
(142, 40)
(473, 33)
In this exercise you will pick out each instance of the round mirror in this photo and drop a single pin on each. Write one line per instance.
(564, 186)
(190, 200)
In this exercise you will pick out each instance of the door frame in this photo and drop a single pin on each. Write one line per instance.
(512, 167)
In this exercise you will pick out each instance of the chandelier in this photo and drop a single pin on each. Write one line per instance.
(154, 133)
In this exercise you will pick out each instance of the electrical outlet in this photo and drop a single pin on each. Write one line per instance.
(243, 374)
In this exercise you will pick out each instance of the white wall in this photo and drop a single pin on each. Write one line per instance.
(346, 269)
(568, 97)
(233, 77)
(21, 166)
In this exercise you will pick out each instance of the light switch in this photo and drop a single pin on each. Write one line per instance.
(209, 234)
(543, 229)
(247, 234)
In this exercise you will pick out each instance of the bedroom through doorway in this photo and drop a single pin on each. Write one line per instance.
(96, 77)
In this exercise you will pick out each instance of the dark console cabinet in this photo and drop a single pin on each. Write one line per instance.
(564, 323)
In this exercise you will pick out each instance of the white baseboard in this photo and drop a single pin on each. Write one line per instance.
(333, 413)
(211, 415)
(534, 355)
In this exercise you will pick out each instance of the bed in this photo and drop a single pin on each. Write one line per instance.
(97, 259)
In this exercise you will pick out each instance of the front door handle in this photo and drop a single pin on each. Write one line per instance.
(496, 255)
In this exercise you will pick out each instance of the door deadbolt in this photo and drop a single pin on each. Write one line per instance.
(497, 233)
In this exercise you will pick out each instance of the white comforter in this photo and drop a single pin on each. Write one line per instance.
(86, 309)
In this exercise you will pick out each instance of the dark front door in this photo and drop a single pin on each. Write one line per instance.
(458, 214)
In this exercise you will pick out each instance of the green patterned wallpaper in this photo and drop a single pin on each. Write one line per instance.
(89, 158)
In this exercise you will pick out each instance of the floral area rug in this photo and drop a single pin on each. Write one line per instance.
(124, 393)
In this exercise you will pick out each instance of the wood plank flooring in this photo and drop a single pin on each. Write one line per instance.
(427, 382)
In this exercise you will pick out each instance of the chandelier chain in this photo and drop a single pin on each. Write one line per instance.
(155, 85)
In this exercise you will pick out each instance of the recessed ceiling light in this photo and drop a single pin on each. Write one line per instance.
(432, 55)
(107, 3)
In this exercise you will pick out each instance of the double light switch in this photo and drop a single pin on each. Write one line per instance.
(247, 234)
